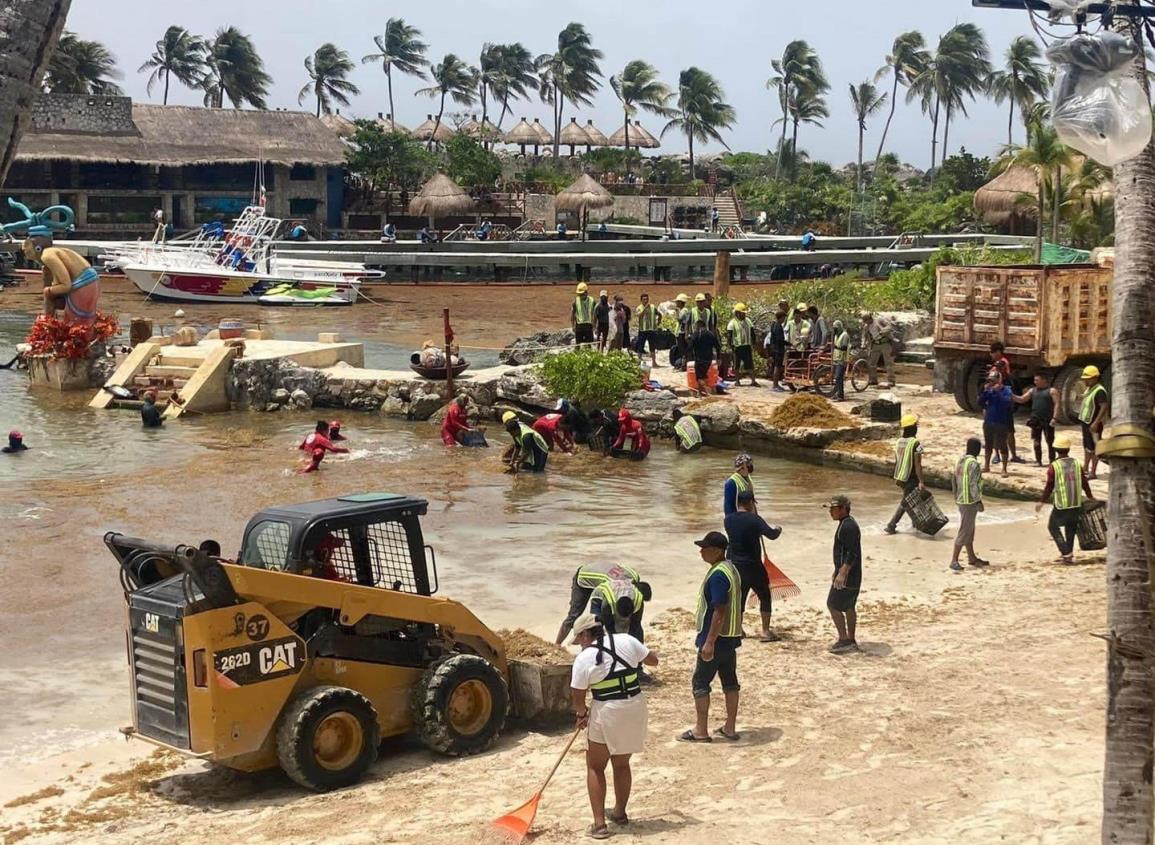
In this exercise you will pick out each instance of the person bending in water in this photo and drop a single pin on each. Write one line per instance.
(632, 430)
(150, 414)
(317, 444)
(15, 444)
(335, 431)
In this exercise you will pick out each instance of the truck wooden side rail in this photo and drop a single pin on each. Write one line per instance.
(1053, 318)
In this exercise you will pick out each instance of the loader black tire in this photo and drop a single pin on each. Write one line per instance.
(968, 385)
(327, 738)
(460, 704)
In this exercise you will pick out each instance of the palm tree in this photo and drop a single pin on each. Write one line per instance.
(1089, 215)
(29, 29)
(797, 71)
(806, 106)
(234, 70)
(401, 47)
(571, 73)
(957, 71)
(907, 59)
(1046, 155)
(327, 70)
(81, 67)
(451, 78)
(514, 77)
(1022, 81)
(179, 53)
(702, 113)
(638, 87)
(866, 100)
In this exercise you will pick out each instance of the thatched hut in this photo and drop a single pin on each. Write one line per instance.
(638, 137)
(388, 124)
(573, 135)
(441, 197)
(1010, 201)
(542, 132)
(523, 134)
(648, 141)
(581, 196)
(431, 129)
(340, 124)
(597, 138)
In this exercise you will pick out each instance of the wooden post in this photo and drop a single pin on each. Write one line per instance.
(722, 274)
(448, 356)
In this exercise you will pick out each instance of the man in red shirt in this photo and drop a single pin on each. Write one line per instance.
(630, 428)
(456, 422)
(1001, 363)
(317, 444)
(556, 431)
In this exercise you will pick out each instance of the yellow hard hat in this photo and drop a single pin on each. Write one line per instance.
(908, 420)
(1062, 442)
(700, 297)
(741, 306)
(1090, 371)
(582, 287)
(508, 417)
(681, 298)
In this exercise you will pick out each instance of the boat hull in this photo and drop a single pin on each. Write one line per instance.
(224, 287)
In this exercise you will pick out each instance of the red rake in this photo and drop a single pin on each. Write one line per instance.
(781, 587)
(514, 827)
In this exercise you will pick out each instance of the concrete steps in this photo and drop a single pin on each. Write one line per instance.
(919, 350)
(727, 211)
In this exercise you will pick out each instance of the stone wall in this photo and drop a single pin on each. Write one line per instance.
(83, 113)
(542, 207)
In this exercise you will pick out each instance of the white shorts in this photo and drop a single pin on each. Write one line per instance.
(619, 725)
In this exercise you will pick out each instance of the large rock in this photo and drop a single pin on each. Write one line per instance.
(258, 383)
(524, 387)
(422, 406)
(715, 417)
(301, 400)
(393, 407)
(526, 350)
(651, 406)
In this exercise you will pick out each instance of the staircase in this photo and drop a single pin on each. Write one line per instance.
(198, 378)
(728, 214)
(919, 350)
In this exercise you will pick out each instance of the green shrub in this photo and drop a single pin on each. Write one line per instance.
(590, 378)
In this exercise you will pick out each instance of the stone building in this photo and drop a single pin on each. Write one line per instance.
(114, 161)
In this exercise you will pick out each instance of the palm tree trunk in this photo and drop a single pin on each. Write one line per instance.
(889, 118)
(318, 105)
(559, 108)
(1011, 124)
(861, 134)
(1039, 224)
(484, 103)
(30, 29)
(794, 142)
(945, 133)
(504, 110)
(782, 141)
(389, 82)
(437, 123)
(934, 136)
(1056, 184)
(1128, 814)
(690, 140)
(627, 114)
(167, 74)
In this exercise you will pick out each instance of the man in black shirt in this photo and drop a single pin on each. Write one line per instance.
(602, 313)
(847, 575)
(150, 414)
(746, 529)
(704, 348)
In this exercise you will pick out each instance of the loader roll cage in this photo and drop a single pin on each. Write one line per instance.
(370, 539)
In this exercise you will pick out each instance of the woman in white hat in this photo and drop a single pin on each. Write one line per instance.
(609, 668)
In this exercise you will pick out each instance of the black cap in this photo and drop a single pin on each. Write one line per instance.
(713, 540)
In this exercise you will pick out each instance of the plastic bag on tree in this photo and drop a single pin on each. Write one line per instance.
(1069, 7)
(1097, 105)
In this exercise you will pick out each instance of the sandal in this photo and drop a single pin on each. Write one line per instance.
(690, 736)
(734, 737)
(622, 820)
(769, 637)
(602, 832)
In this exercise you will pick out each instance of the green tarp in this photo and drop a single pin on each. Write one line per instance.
(1055, 254)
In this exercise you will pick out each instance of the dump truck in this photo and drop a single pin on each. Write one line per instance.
(323, 637)
(1051, 318)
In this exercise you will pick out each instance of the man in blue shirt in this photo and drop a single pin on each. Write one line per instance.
(737, 482)
(997, 402)
(745, 529)
(719, 636)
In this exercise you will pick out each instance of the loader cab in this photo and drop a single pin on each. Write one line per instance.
(370, 539)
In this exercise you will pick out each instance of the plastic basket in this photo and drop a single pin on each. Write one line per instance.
(925, 512)
(598, 441)
(1092, 528)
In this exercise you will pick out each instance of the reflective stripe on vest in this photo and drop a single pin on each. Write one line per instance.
(526, 431)
(1087, 412)
(732, 624)
(904, 451)
(968, 481)
(609, 591)
(584, 310)
(647, 318)
(1068, 484)
(619, 684)
(742, 483)
(841, 354)
(689, 432)
(591, 574)
(741, 330)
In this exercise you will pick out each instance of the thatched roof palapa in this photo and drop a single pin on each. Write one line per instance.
(481, 131)
(176, 136)
(573, 135)
(542, 132)
(441, 197)
(388, 124)
(425, 131)
(583, 194)
(650, 142)
(597, 138)
(639, 137)
(340, 124)
(999, 200)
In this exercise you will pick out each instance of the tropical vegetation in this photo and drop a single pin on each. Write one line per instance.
(328, 70)
(81, 67)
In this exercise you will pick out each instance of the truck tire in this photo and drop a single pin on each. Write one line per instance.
(459, 706)
(327, 738)
(967, 385)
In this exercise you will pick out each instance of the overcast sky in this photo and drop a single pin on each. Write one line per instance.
(733, 39)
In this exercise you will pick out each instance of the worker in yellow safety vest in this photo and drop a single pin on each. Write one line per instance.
(740, 333)
(687, 432)
(1092, 415)
(594, 583)
(907, 468)
(1066, 490)
(529, 450)
(719, 625)
(967, 482)
(738, 482)
(582, 315)
(648, 322)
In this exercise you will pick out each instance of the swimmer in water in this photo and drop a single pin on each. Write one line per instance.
(314, 464)
(320, 439)
(335, 431)
(15, 444)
